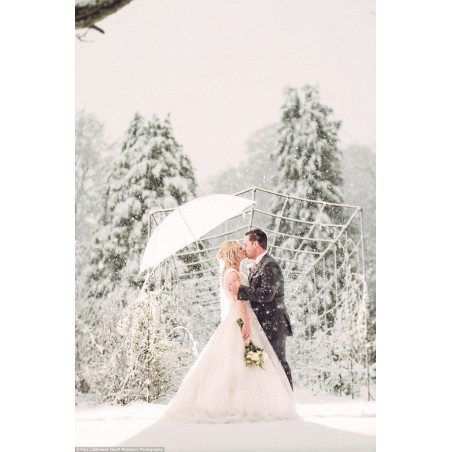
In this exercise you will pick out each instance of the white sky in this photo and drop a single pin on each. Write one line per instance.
(220, 68)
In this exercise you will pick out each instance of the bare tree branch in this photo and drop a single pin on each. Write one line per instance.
(81, 36)
(88, 13)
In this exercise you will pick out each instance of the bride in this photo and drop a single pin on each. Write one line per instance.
(219, 387)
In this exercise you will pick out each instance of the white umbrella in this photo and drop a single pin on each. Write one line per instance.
(188, 223)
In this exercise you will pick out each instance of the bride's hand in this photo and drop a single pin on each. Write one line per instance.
(246, 330)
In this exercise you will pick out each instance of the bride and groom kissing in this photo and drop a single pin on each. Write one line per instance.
(222, 386)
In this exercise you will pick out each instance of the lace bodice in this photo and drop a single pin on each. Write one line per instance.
(230, 304)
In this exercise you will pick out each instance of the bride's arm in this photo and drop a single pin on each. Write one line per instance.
(246, 330)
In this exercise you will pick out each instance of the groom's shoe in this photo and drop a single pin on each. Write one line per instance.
(288, 373)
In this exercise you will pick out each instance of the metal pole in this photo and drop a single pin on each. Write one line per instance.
(302, 199)
(279, 221)
(252, 207)
(324, 287)
(335, 273)
(364, 301)
(149, 224)
(336, 239)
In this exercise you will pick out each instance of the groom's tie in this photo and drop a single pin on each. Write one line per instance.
(253, 269)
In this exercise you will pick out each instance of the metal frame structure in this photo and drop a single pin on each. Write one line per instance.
(326, 292)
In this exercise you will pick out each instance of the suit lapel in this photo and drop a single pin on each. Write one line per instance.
(250, 276)
(259, 265)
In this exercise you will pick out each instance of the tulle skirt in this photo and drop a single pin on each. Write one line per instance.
(219, 388)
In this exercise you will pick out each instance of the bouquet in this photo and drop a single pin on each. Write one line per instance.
(254, 356)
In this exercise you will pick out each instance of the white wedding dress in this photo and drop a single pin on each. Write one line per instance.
(219, 388)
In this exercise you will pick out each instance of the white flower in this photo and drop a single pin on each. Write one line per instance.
(256, 356)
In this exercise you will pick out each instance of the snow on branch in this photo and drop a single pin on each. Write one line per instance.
(88, 12)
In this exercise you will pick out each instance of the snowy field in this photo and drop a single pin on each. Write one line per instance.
(329, 423)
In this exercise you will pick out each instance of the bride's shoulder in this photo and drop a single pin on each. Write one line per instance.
(231, 273)
(230, 270)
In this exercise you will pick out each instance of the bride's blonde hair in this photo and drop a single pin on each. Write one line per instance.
(229, 254)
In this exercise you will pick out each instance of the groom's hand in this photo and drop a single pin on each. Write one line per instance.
(233, 288)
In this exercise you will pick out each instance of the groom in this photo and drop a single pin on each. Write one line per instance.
(266, 294)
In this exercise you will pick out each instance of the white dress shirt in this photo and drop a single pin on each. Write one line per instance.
(259, 258)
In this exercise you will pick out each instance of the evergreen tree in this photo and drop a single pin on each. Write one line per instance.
(151, 172)
(92, 165)
(309, 166)
(90, 146)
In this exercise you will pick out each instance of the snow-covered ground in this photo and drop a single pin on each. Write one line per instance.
(329, 424)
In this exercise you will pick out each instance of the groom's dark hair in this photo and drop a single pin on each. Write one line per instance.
(258, 235)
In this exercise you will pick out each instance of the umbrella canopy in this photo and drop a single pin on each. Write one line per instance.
(188, 223)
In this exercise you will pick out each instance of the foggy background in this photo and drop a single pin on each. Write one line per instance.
(220, 69)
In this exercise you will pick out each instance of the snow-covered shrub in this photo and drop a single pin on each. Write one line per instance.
(128, 351)
(152, 359)
(335, 356)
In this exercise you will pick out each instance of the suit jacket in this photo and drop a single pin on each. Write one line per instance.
(266, 295)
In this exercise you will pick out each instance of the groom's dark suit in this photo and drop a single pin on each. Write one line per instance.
(266, 295)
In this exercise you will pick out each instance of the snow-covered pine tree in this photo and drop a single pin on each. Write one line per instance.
(151, 172)
(309, 165)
